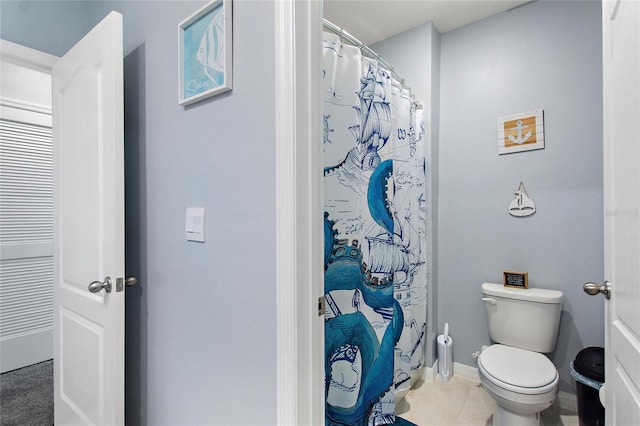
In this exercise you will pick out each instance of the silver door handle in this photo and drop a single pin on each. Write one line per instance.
(97, 286)
(592, 289)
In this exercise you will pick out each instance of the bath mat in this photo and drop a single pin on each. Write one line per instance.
(402, 422)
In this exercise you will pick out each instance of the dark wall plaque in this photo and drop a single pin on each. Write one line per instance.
(515, 279)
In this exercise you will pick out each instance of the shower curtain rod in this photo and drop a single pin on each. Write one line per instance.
(354, 41)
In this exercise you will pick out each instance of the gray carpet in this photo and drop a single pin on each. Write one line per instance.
(26, 396)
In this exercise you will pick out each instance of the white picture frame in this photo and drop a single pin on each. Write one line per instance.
(205, 53)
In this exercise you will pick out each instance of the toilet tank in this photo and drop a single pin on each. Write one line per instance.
(523, 318)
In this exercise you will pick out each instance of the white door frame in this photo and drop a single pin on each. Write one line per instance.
(299, 223)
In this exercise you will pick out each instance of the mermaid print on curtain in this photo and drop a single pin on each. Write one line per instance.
(374, 249)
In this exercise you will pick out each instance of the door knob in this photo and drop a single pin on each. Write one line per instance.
(592, 289)
(96, 286)
(130, 280)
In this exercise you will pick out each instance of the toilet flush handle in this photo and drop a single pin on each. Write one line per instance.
(489, 300)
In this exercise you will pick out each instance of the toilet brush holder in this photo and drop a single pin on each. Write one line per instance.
(445, 355)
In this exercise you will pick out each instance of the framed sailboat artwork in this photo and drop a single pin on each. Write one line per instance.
(205, 53)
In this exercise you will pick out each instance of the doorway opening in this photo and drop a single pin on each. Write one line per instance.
(26, 235)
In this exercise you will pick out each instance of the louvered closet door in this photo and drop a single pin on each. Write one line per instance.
(26, 238)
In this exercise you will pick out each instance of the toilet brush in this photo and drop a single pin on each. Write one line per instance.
(445, 354)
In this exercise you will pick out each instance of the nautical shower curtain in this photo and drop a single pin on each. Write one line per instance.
(374, 237)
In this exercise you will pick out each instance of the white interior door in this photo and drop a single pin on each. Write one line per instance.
(89, 229)
(621, 73)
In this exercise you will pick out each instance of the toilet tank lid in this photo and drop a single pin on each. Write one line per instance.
(531, 294)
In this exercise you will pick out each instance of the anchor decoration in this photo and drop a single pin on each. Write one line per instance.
(520, 139)
(521, 132)
(521, 205)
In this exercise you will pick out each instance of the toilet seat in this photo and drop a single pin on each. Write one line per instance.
(518, 370)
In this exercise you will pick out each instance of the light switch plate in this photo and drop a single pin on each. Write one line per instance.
(194, 227)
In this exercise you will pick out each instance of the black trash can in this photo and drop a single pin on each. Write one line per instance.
(588, 371)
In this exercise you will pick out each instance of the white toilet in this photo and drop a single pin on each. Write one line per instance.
(524, 325)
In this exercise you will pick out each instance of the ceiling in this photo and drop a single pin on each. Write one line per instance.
(371, 21)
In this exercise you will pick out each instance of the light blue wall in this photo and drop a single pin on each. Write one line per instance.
(208, 319)
(49, 26)
(543, 55)
(201, 325)
(415, 55)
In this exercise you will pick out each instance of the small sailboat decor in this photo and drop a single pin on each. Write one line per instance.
(521, 205)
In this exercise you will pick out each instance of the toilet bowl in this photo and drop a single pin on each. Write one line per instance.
(522, 383)
(523, 324)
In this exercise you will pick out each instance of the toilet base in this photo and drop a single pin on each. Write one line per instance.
(504, 417)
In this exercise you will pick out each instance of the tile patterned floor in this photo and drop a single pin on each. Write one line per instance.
(463, 402)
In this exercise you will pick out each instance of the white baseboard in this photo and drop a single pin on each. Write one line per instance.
(430, 373)
(564, 400)
(27, 349)
(466, 372)
(459, 370)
